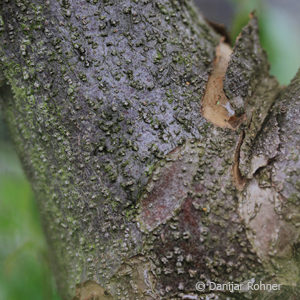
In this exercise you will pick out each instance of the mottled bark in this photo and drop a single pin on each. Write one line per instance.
(140, 196)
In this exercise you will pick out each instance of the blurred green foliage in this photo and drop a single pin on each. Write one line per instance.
(24, 268)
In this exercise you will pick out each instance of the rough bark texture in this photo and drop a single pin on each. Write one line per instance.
(134, 186)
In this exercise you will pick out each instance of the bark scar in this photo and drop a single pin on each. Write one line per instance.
(169, 186)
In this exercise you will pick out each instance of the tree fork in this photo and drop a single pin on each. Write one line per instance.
(133, 184)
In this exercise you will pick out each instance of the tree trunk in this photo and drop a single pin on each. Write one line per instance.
(159, 158)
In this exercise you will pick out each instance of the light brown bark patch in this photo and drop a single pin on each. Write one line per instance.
(272, 236)
(90, 290)
(215, 105)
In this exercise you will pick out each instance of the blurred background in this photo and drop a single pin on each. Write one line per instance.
(279, 24)
(24, 270)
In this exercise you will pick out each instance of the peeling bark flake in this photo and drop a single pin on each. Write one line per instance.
(215, 105)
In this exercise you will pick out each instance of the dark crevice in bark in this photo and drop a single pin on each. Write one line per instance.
(238, 179)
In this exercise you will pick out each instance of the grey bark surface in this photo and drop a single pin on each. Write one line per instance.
(134, 187)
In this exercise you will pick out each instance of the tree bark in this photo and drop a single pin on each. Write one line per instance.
(141, 192)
